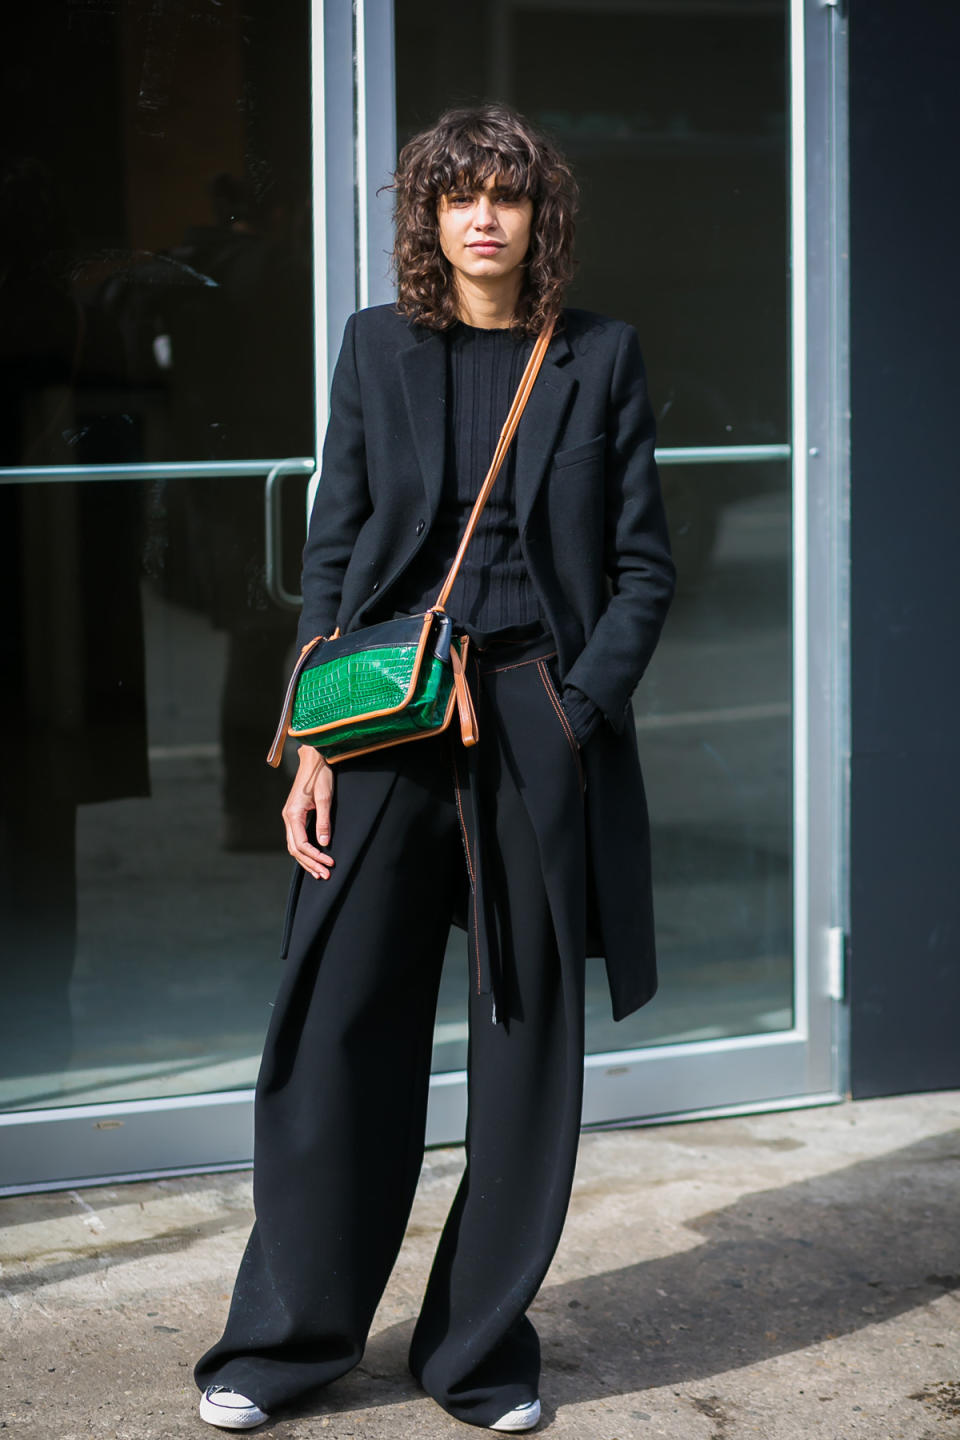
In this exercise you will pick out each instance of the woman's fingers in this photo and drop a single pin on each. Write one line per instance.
(307, 798)
(323, 798)
(316, 862)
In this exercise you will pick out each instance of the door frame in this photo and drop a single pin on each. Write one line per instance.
(807, 1064)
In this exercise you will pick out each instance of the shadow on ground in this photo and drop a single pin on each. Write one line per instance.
(778, 1271)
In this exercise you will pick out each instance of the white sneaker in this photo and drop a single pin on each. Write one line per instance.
(219, 1405)
(524, 1417)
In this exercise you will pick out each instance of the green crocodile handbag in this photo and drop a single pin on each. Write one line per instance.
(378, 686)
(402, 679)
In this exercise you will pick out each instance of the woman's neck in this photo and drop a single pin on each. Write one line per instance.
(487, 306)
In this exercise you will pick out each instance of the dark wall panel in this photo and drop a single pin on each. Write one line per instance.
(905, 528)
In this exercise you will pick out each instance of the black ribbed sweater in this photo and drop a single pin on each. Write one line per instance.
(492, 591)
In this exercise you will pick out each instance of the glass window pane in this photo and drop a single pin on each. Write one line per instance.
(155, 290)
(675, 119)
(143, 869)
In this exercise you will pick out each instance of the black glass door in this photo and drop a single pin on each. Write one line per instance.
(156, 349)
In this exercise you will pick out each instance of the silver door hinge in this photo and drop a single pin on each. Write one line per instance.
(836, 963)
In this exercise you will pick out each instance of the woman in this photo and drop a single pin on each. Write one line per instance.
(536, 838)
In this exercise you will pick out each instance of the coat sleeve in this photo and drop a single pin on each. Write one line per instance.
(637, 546)
(343, 498)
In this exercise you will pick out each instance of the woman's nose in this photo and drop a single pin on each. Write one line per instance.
(485, 216)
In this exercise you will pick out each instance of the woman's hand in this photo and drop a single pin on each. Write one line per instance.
(312, 791)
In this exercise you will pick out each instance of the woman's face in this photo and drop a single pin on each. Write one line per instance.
(484, 233)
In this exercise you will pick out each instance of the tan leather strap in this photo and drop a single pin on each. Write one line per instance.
(503, 444)
(469, 733)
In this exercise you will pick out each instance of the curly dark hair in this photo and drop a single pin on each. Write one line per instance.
(462, 151)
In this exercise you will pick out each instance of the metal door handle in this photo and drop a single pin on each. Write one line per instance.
(273, 530)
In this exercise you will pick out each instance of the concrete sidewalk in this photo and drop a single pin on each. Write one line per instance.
(784, 1275)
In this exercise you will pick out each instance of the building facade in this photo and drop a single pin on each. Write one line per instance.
(193, 204)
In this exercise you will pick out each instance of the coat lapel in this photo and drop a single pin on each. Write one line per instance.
(423, 375)
(537, 432)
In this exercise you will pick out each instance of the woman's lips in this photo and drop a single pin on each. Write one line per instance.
(490, 245)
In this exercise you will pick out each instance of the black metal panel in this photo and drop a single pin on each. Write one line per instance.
(905, 536)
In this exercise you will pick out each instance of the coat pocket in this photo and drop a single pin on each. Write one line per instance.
(553, 695)
(579, 454)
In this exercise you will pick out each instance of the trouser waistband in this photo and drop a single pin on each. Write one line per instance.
(506, 653)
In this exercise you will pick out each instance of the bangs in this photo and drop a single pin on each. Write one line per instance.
(467, 163)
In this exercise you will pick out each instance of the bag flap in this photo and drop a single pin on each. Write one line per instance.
(389, 634)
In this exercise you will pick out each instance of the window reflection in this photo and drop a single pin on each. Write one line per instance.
(142, 859)
(155, 284)
(675, 119)
(155, 305)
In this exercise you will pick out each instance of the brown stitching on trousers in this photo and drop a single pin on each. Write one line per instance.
(565, 723)
(515, 664)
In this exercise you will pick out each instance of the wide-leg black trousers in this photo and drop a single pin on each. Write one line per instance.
(342, 1091)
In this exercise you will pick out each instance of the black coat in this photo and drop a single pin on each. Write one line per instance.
(593, 532)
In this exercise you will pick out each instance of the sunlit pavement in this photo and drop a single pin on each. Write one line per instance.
(781, 1275)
